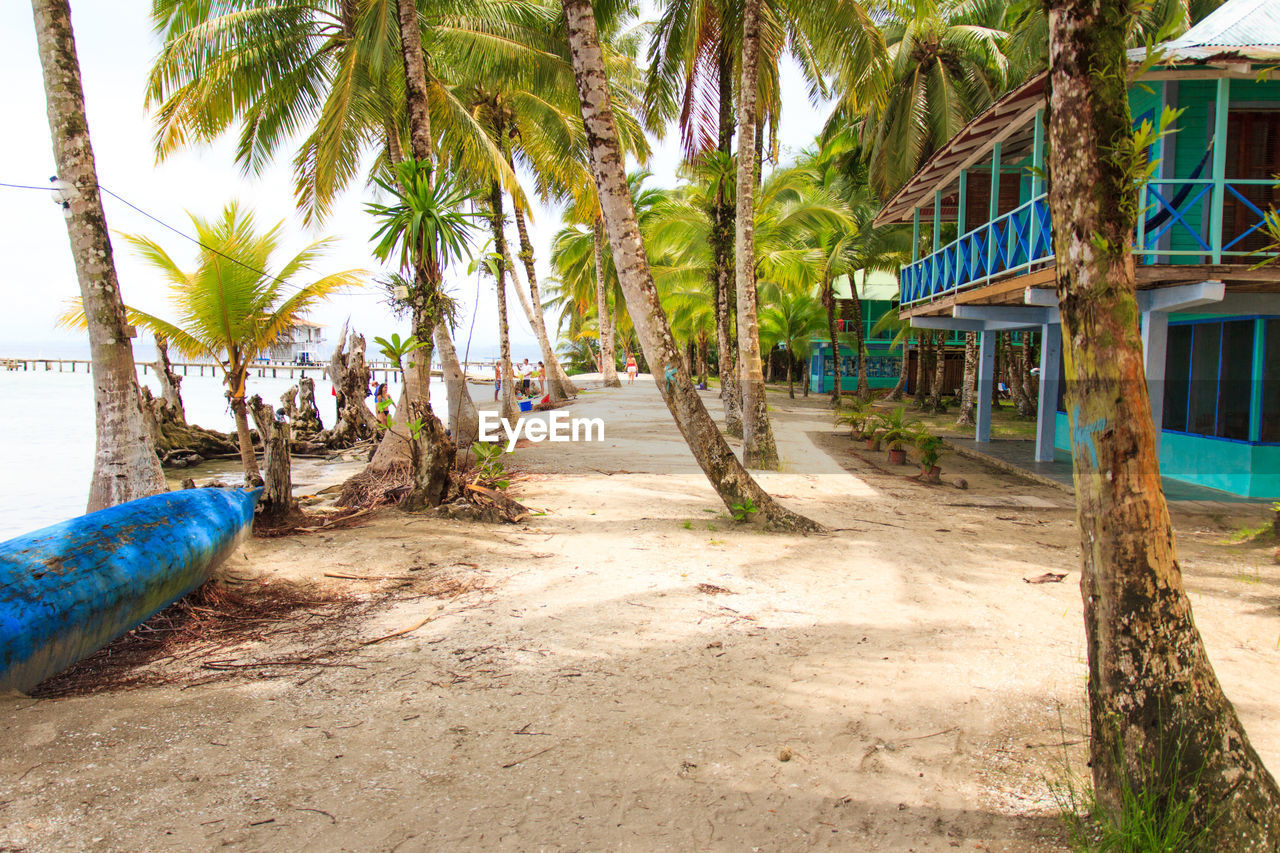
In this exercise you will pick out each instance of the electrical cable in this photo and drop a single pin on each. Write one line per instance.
(172, 228)
(27, 187)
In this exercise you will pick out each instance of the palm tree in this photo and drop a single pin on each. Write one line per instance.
(498, 268)
(125, 465)
(1160, 724)
(759, 449)
(789, 319)
(331, 72)
(231, 307)
(692, 55)
(427, 228)
(944, 63)
(725, 473)
(338, 68)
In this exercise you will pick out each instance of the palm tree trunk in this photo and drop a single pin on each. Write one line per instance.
(759, 449)
(507, 408)
(924, 346)
(967, 406)
(1026, 407)
(562, 388)
(608, 359)
(791, 385)
(864, 386)
(722, 250)
(1158, 717)
(464, 420)
(895, 395)
(248, 460)
(939, 372)
(415, 80)
(726, 474)
(829, 301)
(125, 465)
(433, 452)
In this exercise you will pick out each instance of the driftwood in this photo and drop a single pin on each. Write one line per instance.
(276, 506)
(350, 375)
(169, 380)
(299, 404)
(175, 439)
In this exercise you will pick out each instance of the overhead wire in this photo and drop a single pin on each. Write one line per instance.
(172, 228)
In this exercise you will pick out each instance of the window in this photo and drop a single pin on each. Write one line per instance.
(1177, 378)
(1202, 403)
(1208, 380)
(1271, 382)
(1235, 382)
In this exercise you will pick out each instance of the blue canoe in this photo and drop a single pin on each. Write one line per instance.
(69, 589)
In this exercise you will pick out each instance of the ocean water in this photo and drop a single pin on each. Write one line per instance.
(47, 434)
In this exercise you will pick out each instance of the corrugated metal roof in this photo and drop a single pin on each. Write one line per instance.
(1244, 29)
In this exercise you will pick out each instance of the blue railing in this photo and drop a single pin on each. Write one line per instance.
(1183, 223)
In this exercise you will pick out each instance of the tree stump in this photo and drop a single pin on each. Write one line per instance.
(350, 376)
(276, 507)
(170, 381)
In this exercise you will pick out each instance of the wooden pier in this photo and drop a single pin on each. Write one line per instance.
(383, 371)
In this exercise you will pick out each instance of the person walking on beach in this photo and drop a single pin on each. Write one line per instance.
(497, 380)
(632, 369)
(541, 376)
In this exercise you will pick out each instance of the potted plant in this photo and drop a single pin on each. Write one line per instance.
(860, 420)
(930, 447)
(896, 431)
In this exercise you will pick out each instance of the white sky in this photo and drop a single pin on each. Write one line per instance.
(116, 47)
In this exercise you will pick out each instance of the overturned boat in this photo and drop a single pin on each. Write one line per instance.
(69, 589)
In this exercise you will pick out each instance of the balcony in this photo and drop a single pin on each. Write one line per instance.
(1186, 221)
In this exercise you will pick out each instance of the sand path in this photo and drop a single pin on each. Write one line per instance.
(596, 698)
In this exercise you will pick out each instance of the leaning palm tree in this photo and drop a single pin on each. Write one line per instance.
(232, 307)
(735, 486)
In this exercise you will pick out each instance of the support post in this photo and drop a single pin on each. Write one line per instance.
(993, 210)
(937, 220)
(1037, 185)
(1221, 104)
(1155, 347)
(1255, 386)
(1047, 408)
(915, 235)
(986, 376)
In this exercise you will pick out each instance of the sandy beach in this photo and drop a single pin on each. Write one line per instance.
(634, 671)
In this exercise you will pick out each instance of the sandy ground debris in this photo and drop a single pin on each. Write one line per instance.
(637, 672)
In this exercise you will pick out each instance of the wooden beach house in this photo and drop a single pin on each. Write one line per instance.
(1210, 315)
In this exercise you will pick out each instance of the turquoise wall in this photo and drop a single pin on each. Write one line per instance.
(1236, 467)
(883, 367)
